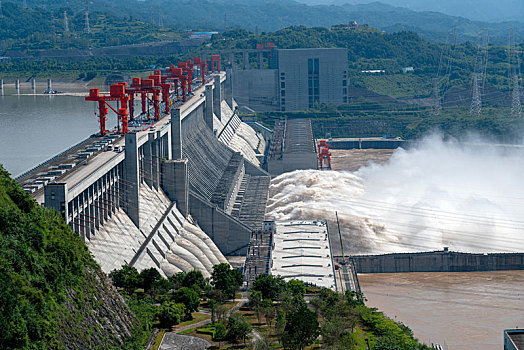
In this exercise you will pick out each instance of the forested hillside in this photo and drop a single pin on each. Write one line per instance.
(52, 293)
(271, 15)
(34, 29)
(479, 10)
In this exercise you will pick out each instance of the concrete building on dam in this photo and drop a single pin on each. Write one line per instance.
(295, 79)
(180, 196)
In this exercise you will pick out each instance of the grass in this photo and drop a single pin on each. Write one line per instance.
(158, 340)
(197, 317)
(187, 331)
(361, 339)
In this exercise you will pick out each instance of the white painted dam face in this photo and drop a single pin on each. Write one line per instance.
(468, 198)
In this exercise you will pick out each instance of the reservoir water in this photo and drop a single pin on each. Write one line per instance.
(34, 128)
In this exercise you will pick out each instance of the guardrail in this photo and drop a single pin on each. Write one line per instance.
(24, 174)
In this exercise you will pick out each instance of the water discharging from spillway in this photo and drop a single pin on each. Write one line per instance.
(439, 194)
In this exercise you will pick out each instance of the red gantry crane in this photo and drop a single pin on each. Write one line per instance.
(117, 92)
(215, 63)
(136, 88)
(198, 62)
(165, 88)
(180, 76)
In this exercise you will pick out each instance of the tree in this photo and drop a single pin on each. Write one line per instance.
(170, 314)
(216, 294)
(355, 298)
(189, 298)
(296, 287)
(221, 312)
(176, 280)
(226, 279)
(262, 344)
(212, 304)
(220, 332)
(255, 300)
(194, 278)
(149, 277)
(238, 327)
(280, 325)
(270, 286)
(127, 277)
(268, 310)
(301, 329)
(334, 333)
(290, 302)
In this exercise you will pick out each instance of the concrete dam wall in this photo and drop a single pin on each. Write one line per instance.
(438, 261)
(228, 192)
(176, 198)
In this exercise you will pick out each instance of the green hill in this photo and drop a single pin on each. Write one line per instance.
(36, 28)
(271, 15)
(52, 293)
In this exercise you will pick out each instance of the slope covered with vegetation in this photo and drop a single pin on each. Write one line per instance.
(271, 15)
(52, 293)
(35, 29)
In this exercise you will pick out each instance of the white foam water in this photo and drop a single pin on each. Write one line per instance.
(468, 197)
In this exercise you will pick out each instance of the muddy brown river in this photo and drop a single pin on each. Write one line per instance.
(459, 310)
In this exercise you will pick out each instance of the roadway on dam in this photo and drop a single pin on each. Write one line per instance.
(99, 161)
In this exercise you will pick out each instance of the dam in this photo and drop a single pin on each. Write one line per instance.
(179, 195)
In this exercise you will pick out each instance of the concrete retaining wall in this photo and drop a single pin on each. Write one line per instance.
(367, 144)
(229, 234)
(439, 261)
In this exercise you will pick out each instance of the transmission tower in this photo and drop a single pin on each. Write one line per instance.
(87, 29)
(160, 19)
(152, 14)
(476, 101)
(479, 75)
(516, 107)
(442, 80)
(66, 22)
(437, 102)
(514, 75)
(53, 27)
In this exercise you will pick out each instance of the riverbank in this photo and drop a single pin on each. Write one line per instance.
(58, 83)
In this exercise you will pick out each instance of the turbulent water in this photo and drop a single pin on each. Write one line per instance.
(467, 198)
